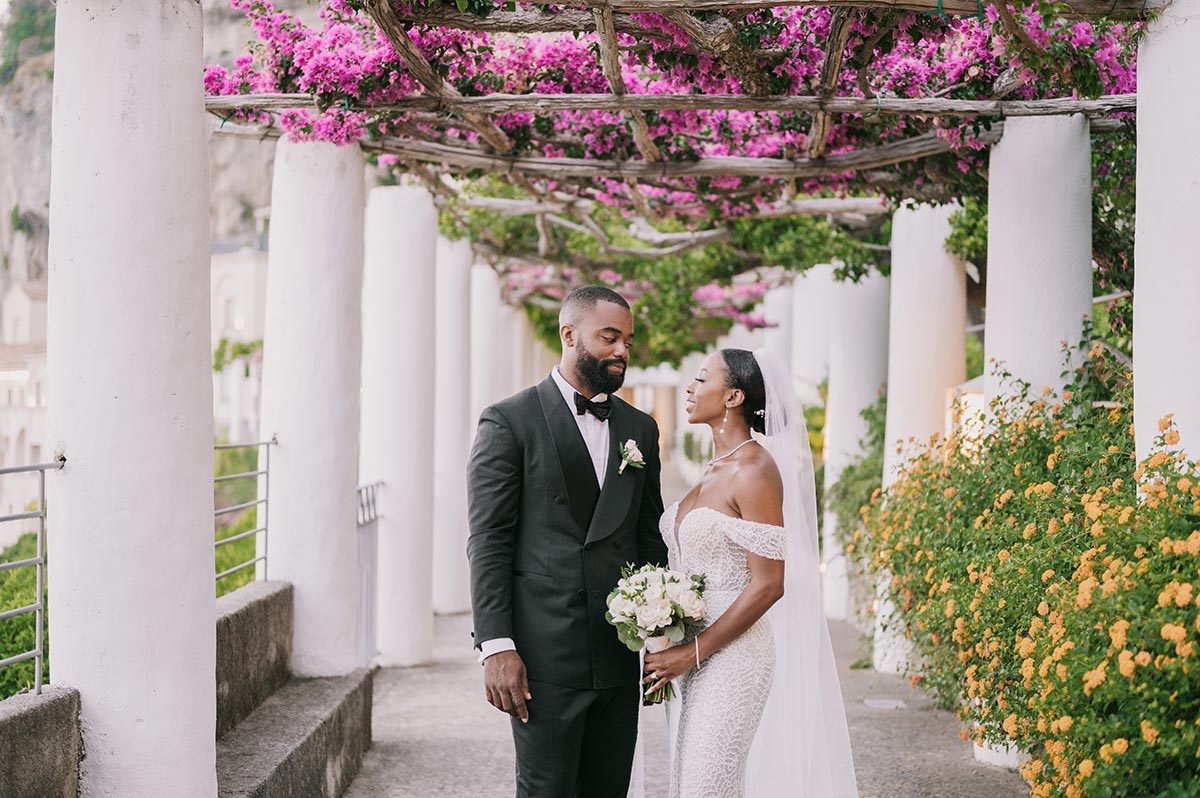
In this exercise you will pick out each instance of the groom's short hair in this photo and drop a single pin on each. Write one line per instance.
(580, 302)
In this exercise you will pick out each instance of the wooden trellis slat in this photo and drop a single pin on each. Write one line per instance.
(831, 69)
(813, 206)
(525, 20)
(385, 16)
(610, 63)
(718, 37)
(569, 20)
(553, 168)
(1115, 9)
(551, 103)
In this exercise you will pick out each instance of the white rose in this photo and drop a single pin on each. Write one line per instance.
(653, 615)
(692, 604)
(634, 454)
(622, 608)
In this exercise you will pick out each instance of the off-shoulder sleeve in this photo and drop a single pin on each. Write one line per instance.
(765, 540)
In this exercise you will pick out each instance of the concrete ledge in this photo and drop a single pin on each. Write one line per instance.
(254, 647)
(40, 744)
(308, 739)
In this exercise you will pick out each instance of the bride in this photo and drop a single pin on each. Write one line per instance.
(762, 713)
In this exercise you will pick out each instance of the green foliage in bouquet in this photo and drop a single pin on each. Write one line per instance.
(634, 589)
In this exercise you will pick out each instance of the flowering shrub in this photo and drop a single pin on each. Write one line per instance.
(352, 70)
(1047, 582)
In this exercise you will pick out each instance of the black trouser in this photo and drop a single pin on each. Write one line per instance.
(577, 743)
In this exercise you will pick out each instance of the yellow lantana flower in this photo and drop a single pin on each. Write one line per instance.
(1174, 632)
(1118, 632)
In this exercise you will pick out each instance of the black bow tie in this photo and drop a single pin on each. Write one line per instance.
(601, 410)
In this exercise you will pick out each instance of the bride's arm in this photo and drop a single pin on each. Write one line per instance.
(758, 493)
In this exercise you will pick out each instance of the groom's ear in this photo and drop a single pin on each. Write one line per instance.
(567, 334)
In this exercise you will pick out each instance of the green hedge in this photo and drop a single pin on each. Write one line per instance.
(18, 588)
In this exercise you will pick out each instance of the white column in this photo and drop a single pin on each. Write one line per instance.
(1039, 285)
(492, 361)
(131, 602)
(812, 311)
(312, 345)
(927, 331)
(1166, 295)
(399, 385)
(777, 307)
(452, 430)
(740, 337)
(523, 351)
(857, 373)
(689, 367)
(926, 360)
(665, 415)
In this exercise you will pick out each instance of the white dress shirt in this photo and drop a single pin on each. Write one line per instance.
(596, 437)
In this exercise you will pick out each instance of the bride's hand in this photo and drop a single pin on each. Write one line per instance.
(667, 665)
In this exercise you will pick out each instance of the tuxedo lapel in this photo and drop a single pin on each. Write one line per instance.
(613, 504)
(574, 462)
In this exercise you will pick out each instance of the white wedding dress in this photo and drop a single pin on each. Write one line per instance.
(722, 701)
(763, 717)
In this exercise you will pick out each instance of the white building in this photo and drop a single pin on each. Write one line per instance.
(239, 285)
(239, 278)
(22, 398)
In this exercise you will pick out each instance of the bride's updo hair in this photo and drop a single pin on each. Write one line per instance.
(746, 376)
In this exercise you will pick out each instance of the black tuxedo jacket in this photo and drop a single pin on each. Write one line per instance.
(547, 543)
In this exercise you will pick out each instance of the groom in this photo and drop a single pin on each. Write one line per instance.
(553, 519)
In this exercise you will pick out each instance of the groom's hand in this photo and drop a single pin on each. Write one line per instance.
(506, 684)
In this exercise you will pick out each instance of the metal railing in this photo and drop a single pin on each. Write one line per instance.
(368, 560)
(263, 470)
(38, 607)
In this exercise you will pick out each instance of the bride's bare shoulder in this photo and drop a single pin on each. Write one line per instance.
(758, 488)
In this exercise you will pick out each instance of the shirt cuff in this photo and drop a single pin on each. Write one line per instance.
(489, 647)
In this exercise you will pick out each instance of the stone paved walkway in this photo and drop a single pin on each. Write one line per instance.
(435, 735)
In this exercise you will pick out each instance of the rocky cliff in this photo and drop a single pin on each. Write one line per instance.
(240, 169)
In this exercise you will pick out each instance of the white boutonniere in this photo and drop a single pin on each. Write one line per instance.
(631, 455)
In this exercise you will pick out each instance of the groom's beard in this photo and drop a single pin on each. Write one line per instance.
(596, 374)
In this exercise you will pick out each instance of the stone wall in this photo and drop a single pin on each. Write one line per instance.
(254, 646)
(40, 744)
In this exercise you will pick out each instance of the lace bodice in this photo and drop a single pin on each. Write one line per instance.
(715, 544)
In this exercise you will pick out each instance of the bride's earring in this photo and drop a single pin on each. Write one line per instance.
(724, 421)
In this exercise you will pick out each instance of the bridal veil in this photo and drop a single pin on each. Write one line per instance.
(802, 747)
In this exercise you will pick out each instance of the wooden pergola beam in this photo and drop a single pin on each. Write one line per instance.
(813, 206)
(718, 37)
(1073, 9)
(385, 16)
(610, 63)
(831, 69)
(525, 20)
(551, 103)
(570, 20)
(559, 168)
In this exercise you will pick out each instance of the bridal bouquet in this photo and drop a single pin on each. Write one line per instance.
(650, 606)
